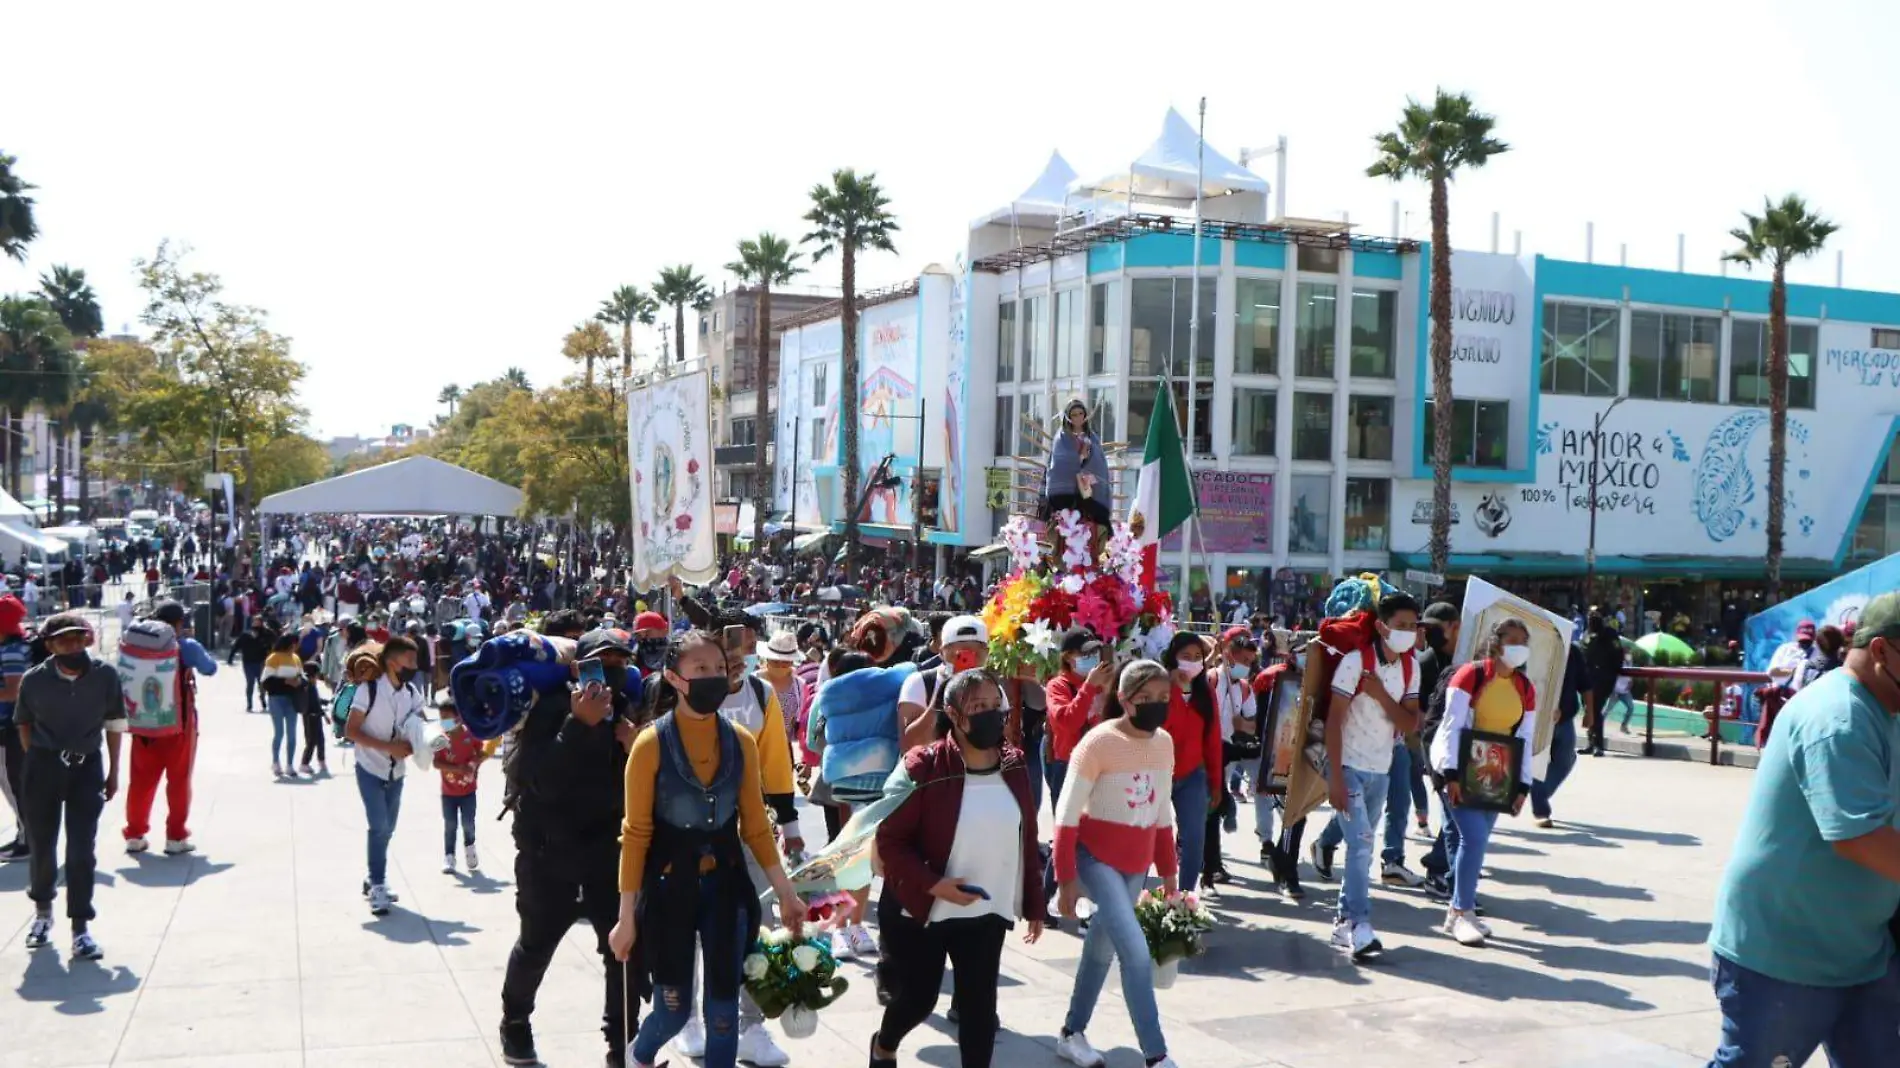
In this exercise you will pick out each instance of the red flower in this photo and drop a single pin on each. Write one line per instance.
(1054, 606)
(684, 522)
(692, 468)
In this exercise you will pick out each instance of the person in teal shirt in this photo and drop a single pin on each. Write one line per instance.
(1804, 957)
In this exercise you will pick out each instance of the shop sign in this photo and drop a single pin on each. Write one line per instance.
(1235, 512)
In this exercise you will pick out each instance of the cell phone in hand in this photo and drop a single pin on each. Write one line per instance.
(971, 889)
(732, 638)
(592, 673)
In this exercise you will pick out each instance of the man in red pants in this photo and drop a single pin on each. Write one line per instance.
(171, 756)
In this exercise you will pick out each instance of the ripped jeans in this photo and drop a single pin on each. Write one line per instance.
(673, 1005)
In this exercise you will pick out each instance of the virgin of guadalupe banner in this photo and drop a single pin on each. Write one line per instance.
(1485, 605)
(669, 444)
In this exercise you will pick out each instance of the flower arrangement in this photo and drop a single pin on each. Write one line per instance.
(1047, 595)
(1173, 924)
(791, 977)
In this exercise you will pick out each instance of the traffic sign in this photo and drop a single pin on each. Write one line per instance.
(1424, 578)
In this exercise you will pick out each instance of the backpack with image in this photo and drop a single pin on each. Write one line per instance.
(148, 678)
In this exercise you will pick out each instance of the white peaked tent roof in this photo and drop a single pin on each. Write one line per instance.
(1045, 197)
(10, 507)
(1166, 170)
(413, 485)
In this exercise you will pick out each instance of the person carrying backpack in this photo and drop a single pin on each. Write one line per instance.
(16, 658)
(378, 724)
(164, 732)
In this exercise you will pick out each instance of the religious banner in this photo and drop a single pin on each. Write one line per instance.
(1484, 607)
(670, 445)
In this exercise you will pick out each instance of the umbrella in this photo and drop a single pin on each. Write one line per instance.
(1665, 648)
(770, 608)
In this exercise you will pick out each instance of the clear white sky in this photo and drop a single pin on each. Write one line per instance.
(424, 193)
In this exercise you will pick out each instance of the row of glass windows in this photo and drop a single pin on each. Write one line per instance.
(1368, 515)
(1879, 532)
(1255, 415)
(1086, 335)
(1672, 356)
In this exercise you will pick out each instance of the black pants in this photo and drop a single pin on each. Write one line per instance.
(14, 754)
(549, 897)
(1596, 722)
(910, 973)
(56, 791)
(312, 737)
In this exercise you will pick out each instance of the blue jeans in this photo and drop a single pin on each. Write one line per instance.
(1365, 799)
(382, 802)
(1563, 759)
(1629, 709)
(1465, 851)
(1765, 1020)
(1054, 774)
(283, 728)
(1190, 824)
(453, 807)
(673, 1005)
(1398, 791)
(1114, 935)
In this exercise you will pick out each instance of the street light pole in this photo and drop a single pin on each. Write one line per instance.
(1596, 458)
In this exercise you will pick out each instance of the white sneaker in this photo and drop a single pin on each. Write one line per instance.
(39, 933)
(841, 946)
(1342, 935)
(1461, 927)
(860, 940)
(137, 845)
(386, 890)
(176, 846)
(1400, 875)
(1076, 1050)
(691, 1041)
(757, 1048)
(1365, 941)
(1479, 924)
(448, 864)
(474, 859)
(85, 947)
(379, 900)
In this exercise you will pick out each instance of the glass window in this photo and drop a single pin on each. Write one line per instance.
(1369, 428)
(1368, 514)
(1879, 532)
(1071, 333)
(1890, 471)
(1255, 413)
(1480, 433)
(1160, 316)
(1102, 412)
(1312, 426)
(1005, 425)
(1036, 338)
(1748, 363)
(1319, 260)
(1579, 355)
(1374, 328)
(1673, 357)
(1884, 337)
(818, 437)
(740, 431)
(819, 374)
(1105, 322)
(1033, 428)
(1317, 307)
(1006, 342)
(1312, 514)
(1257, 326)
(1141, 404)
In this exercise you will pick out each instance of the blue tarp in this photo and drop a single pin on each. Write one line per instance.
(1835, 602)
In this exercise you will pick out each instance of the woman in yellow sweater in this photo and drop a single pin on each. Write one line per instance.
(695, 805)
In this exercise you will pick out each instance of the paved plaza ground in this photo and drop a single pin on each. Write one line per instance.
(259, 951)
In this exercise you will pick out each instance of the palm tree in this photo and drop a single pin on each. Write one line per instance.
(55, 393)
(32, 344)
(623, 308)
(89, 412)
(73, 300)
(450, 395)
(679, 286)
(17, 228)
(1781, 234)
(847, 216)
(1434, 143)
(516, 378)
(764, 261)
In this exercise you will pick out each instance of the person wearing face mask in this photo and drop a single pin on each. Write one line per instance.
(964, 645)
(1077, 698)
(1235, 698)
(1441, 623)
(1803, 954)
(378, 727)
(1115, 821)
(1491, 695)
(1193, 726)
(170, 757)
(961, 866)
(694, 808)
(778, 667)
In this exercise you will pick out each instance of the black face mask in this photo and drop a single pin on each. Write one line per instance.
(1149, 715)
(704, 696)
(652, 653)
(74, 661)
(986, 729)
(1434, 636)
(615, 677)
(405, 675)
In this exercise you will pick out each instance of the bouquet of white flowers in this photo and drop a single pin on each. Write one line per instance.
(791, 978)
(1174, 925)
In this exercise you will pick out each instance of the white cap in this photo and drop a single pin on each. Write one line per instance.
(964, 629)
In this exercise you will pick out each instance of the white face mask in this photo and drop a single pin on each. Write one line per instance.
(1401, 641)
(1188, 668)
(1517, 655)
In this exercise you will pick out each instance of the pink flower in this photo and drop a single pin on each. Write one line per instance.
(684, 522)
(692, 468)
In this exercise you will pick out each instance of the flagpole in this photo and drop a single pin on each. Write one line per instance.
(1194, 351)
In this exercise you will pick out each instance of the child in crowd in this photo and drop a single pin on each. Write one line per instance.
(458, 764)
(283, 697)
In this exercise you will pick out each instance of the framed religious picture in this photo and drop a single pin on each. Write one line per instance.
(1489, 769)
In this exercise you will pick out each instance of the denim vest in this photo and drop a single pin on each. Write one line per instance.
(680, 800)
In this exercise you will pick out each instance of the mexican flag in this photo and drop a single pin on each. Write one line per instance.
(1164, 499)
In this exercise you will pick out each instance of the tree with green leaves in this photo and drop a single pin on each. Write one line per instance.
(848, 216)
(35, 355)
(764, 261)
(17, 227)
(516, 378)
(449, 395)
(73, 300)
(681, 288)
(110, 373)
(589, 343)
(626, 306)
(1782, 233)
(1433, 143)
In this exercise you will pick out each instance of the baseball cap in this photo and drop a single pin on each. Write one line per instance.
(65, 623)
(12, 616)
(1080, 640)
(1805, 629)
(1440, 612)
(1237, 636)
(1879, 618)
(965, 629)
(649, 621)
(601, 640)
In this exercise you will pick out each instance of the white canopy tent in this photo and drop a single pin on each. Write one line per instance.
(11, 508)
(413, 485)
(1166, 171)
(1043, 202)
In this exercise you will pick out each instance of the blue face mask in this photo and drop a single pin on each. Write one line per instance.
(1086, 664)
(752, 663)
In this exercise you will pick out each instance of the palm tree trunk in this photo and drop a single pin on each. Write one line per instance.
(1442, 401)
(85, 474)
(626, 349)
(679, 332)
(848, 404)
(56, 436)
(763, 362)
(1777, 426)
(590, 370)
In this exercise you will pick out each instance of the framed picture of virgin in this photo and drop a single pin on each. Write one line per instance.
(1489, 769)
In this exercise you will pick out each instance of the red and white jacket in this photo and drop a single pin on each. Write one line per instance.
(1117, 803)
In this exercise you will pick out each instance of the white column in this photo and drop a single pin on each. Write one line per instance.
(1342, 395)
(1283, 413)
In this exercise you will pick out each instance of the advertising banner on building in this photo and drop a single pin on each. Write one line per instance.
(996, 488)
(725, 519)
(1835, 603)
(1235, 512)
(669, 442)
(887, 405)
(955, 403)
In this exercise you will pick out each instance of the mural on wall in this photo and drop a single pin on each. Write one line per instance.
(887, 405)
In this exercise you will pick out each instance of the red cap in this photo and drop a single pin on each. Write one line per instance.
(1236, 631)
(1805, 629)
(649, 621)
(12, 617)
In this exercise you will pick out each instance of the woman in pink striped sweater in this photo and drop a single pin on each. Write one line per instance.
(1113, 822)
